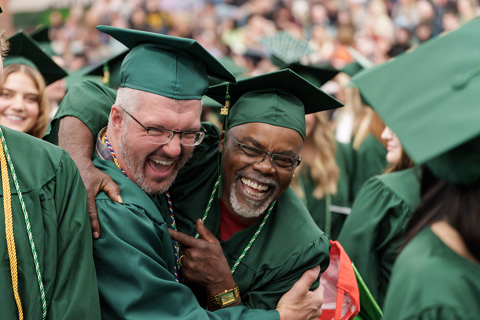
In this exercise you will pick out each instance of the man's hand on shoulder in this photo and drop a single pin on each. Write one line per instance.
(300, 302)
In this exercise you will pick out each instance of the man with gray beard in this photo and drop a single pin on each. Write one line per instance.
(267, 235)
(154, 125)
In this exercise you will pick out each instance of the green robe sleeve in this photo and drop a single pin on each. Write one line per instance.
(88, 101)
(373, 232)
(134, 260)
(55, 200)
(75, 292)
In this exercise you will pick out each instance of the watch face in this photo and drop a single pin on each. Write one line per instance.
(228, 298)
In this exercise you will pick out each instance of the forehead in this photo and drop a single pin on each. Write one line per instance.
(271, 138)
(169, 113)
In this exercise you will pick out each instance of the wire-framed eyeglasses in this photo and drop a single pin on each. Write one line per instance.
(280, 161)
(163, 136)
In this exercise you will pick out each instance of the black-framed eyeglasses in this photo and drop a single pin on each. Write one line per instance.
(280, 161)
(163, 136)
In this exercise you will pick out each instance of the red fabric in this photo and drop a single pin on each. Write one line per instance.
(230, 223)
(341, 297)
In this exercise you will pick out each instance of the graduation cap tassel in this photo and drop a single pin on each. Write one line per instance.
(106, 75)
(223, 112)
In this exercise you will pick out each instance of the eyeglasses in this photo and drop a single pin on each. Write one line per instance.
(163, 136)
(280, 161)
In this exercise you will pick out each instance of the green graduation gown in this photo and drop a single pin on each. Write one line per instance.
(370, 160)
(134, 256)
(55, 200)
(134, 259)
(288, 245)
(373, 232)
(431, 282)
(340, 202)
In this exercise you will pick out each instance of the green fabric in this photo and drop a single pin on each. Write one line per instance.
(134, 264)
(55, 199)
(95, 100)
(438, 109)
(279, 98)
(373, 232)
(289, 244)
(184, 64)
(134, 260)
(369, 308)
(285, 49)
(24, 50)
(370, 160)
(316, 74)
(430, 281)
(340, 201)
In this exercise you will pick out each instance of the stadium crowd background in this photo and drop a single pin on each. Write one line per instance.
(378, 29)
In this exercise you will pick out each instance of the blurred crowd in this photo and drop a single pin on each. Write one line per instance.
(377, 29)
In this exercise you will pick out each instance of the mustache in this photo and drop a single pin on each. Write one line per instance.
(257, 177)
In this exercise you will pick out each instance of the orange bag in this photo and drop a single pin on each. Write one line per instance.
(341, 299)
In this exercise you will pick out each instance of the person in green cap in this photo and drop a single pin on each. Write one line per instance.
(47, 268)
(23, 100)
(257, 211)
(153, 128)
(437, 273)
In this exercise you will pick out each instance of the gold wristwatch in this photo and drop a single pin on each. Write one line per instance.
(225, 298)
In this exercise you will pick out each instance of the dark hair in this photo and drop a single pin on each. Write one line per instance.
(458, 205)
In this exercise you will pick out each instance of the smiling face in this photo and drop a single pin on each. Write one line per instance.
(394, 147)
(249, 188)
(19, 102)
(154, 167)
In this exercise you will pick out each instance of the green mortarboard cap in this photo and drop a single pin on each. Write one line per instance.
(285, 49)
(361, 63)
(429, 97)
(173, 67)
(280, 98)
(109, 70)
(40, 34)
(77, 76)
(25, 50)
(316, 74)
(231, 66)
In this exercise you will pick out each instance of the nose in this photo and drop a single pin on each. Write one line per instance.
(18, 103)
(386, 133)
(173, 148)
(265, 166)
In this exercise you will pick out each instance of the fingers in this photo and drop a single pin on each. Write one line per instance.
(204, 233)
(92, 213)
(307, 279)
(182, 238)
(111, 188)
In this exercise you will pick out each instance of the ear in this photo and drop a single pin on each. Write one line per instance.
(220, 143)
(116, 116)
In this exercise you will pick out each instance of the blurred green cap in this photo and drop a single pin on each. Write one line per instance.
(173, 67)
(41, 35)
(285, 49)
(280, 98)
(25, 50)
(429, 97)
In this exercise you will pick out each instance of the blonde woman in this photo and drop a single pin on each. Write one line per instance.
(23, 104)
(27, 70)
(323, 178)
